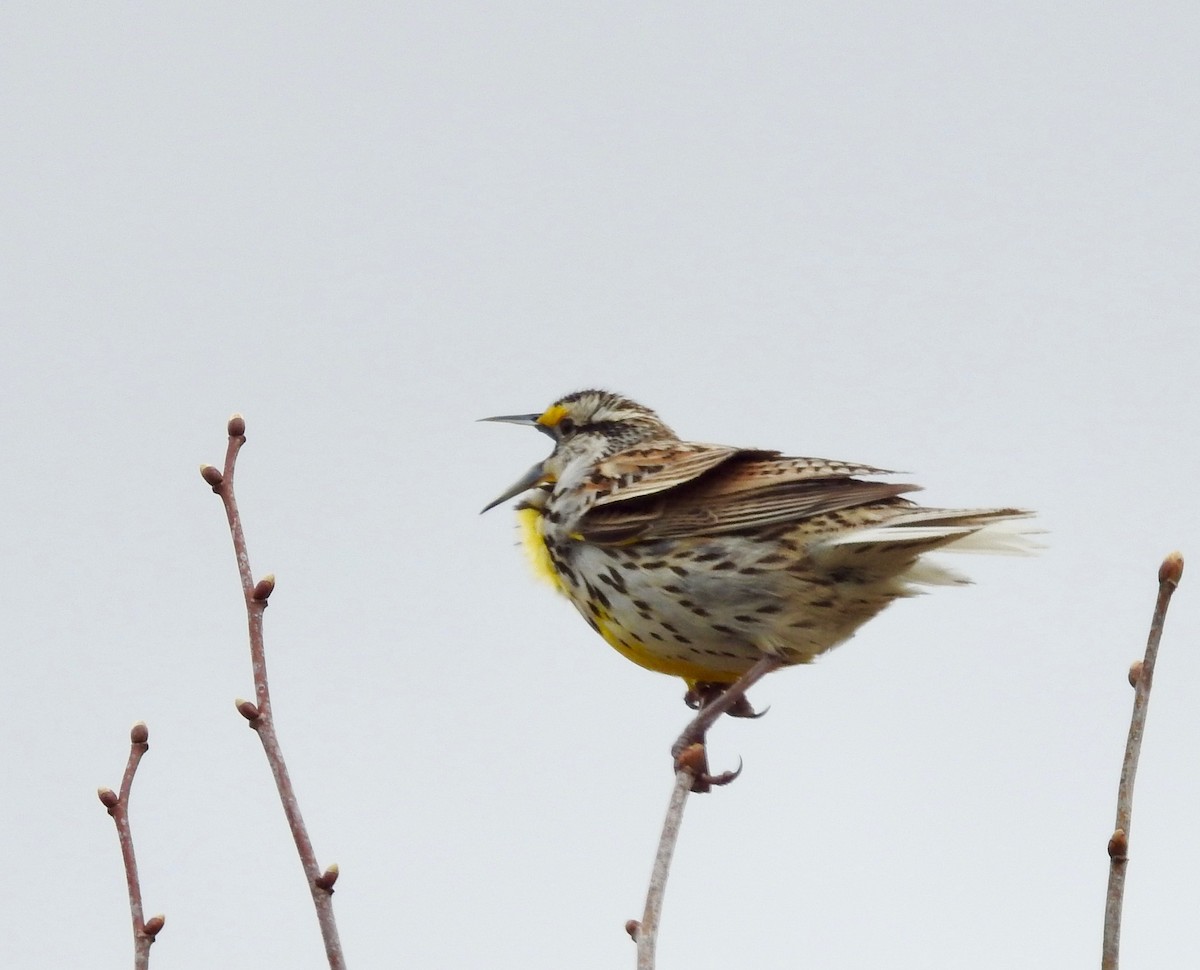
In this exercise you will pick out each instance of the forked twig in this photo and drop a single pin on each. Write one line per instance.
(258, 712)
(144, 931)
(691, 775)
(1141, 676)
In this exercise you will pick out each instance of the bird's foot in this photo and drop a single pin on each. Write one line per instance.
(705, 692)
(694, 760)
(710, 701)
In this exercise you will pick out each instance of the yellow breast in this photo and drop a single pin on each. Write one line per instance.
(528, 521)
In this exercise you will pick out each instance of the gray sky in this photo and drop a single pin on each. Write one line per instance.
(952, 239)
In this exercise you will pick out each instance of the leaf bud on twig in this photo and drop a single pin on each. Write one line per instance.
(139, 733)
(1135, 673)
(237, 426)
(264, 588)
(248, 709)
(1171, 570)
(212, 475)
(326, 879)
(108, 798)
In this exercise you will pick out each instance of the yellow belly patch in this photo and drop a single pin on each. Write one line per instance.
(631, 648)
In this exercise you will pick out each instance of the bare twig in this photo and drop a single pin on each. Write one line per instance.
(1141, 676)
(144, 931)
(691, 775)
(258, 713)
(645, 933)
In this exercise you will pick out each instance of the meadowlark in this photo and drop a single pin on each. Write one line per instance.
(701, 560)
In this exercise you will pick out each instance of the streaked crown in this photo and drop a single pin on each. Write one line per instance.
(601, 422)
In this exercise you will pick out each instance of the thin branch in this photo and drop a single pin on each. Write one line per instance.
(144, 931)
(646, 932)
(258, 713)
(691, 775)
(1141, 676)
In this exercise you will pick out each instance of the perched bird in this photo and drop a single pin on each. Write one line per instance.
(701, 560)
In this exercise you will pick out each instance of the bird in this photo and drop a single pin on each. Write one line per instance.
(701, 560)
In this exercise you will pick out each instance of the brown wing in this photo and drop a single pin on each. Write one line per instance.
(638, 472)
(745, 490)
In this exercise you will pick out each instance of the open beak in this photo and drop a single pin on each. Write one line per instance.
(537, 474)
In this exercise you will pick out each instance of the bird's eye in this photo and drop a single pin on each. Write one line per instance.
(565, 427)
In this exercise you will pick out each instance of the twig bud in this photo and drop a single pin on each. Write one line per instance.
(1171, 570)
(212, 475)
(632, 927)
(326, 879)
(237, 426)
(108, 798)
(154, 925)
(1118, 845)
(248, 709)
(139, 733)
(264, 588)
(1135, 672)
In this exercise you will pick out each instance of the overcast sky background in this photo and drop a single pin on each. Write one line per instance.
(955, 239)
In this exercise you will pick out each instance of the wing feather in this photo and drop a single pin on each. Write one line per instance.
(740, 490)
(638, 472)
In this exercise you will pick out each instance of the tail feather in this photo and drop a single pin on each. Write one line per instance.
(909, 535)
(995, 531)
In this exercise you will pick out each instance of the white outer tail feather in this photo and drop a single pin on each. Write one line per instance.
(989, 531)
(1002, 537)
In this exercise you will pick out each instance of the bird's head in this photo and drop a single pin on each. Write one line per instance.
(589, 424)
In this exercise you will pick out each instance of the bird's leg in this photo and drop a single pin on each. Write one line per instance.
(689, 750)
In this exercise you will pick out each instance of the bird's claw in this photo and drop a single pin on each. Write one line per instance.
(743, 709)
(693, 759)
(724, 778)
